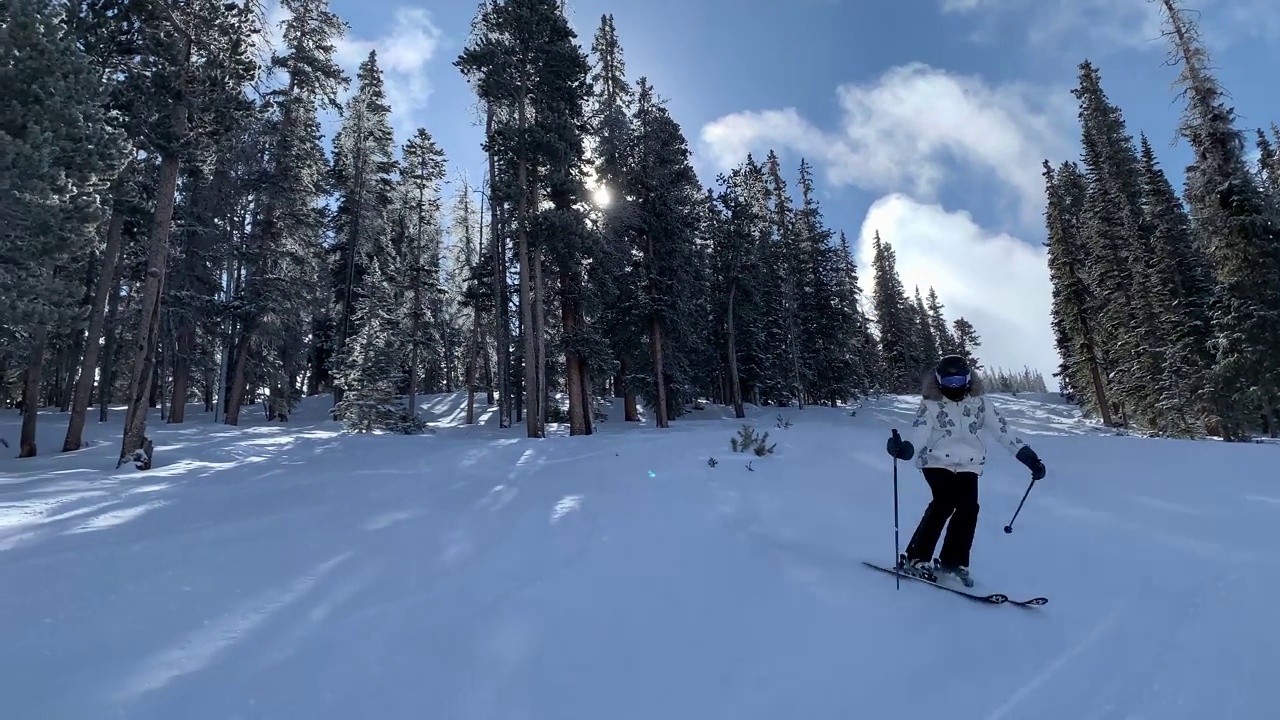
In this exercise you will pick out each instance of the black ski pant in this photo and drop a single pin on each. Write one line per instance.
(955, 498)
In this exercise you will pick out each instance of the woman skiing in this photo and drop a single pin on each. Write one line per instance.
(953, 408)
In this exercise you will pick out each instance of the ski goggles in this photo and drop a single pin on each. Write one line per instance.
(953, 381)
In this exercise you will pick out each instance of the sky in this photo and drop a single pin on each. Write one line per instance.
(926, 120)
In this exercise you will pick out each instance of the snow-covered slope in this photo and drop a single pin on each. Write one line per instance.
(290, 571)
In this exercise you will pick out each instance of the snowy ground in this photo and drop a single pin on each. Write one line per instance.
(287, 572)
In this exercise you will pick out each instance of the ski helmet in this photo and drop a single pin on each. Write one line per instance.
(952, 372)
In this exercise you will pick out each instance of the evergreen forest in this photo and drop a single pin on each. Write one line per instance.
(177, 232)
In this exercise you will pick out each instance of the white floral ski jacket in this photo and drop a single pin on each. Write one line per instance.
(945, 432)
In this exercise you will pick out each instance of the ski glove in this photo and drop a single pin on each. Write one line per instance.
(900, 449)
(1028, 457)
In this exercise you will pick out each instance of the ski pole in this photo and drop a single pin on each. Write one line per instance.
(897, 579)
(1009, 528)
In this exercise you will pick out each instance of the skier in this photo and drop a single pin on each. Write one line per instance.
(953, 408)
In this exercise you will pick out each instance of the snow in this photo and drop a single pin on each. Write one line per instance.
(292, 571)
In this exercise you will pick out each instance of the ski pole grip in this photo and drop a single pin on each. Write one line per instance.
(896, 436)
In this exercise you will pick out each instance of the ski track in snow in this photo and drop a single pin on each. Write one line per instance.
(1084, 644)
(272, 571)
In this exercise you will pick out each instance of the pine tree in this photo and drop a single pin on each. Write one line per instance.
(930, 349)
(372, 370)
(859, 349)
(418, 210)
(60, 154)
(363, 173)
(938, 324)
(661, 221)
(738, 230)
(1179, 288)
(831, 325)
(895, 319)
(276, 305)
(1113, 238)
(967, 341)
(558, 100)
(1239, 229)
(611, 147)
(1080, 373)
(192, 61)
(532, 78)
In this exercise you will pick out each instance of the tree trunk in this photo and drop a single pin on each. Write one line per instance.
(501, 325)
(415, 330)
(533, 415)
(473, 354)
(107, 370)
(540, 335)
(145, 346)
(488, 369)
(69, 369)
(97, 319)
(185, 345)
(31, 393)
(473, 365)
(588, 407)
(239, 376)
(735, 385)
(572, 365)
(631, 408)
(655, 349)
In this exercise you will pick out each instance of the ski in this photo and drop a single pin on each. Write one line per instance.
(990, 599)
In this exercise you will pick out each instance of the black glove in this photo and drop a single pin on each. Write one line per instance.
(900, 449)
(1028, 457)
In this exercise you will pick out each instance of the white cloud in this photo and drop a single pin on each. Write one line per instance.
(404, 54)
(994, 280)
(907, 130)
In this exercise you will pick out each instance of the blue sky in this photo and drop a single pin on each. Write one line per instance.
(926, 119)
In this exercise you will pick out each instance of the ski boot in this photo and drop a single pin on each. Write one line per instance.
(958, 572)
(916, 568)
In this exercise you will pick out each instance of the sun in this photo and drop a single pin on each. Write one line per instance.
(600, 196)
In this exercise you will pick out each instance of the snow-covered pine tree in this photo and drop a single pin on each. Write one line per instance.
(364, 167)
(61, 154)
(737, 233)
(1080, 372)
(661, 221)
(863, 350)
(611, 144)
(283, 295)
(372, 371)
(784, 265)
(189, 70)
(831, 326)
(1116, 257)
(896, 321)
(1239, 229)
(938, 324)
(967, 342)
(558, 98)
(418, 212)
(1179, 287)
(928, 347)
(1268, 171)
(516, 60)
(471, 283)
